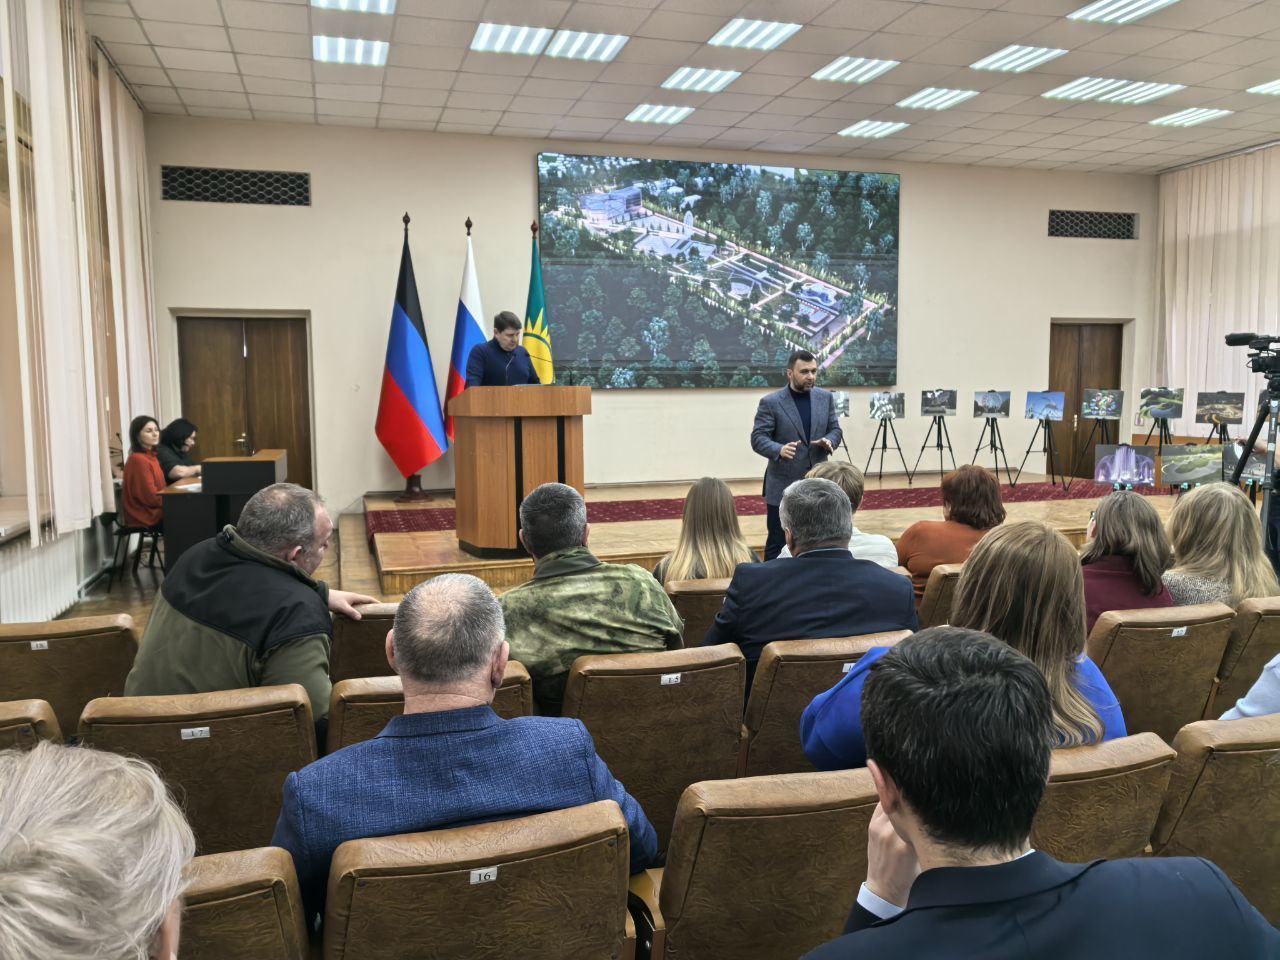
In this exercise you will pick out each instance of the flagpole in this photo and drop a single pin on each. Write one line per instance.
(413, 492)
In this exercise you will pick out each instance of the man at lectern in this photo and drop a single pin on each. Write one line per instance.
(796, 428)
(501, 362)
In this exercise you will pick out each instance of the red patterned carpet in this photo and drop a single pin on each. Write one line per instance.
(620, 511)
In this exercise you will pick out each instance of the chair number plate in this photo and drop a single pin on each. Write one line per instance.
(845, 668)
(484, 875)
(195, 733)
(668, 679)
(39, 644)
(1179, 631)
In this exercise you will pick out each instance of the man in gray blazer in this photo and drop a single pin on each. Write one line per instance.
(796, 428)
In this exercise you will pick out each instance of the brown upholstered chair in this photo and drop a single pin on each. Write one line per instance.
(662, 721)
(24, 723)
(1161, 663)
(1222, 804)
(66, 662)
(939, 591)
(360, 708)
(545, 887)
(697, 602)
(359, 646)
(1102, 800)
(762, 867)
(789, 675)
(244, 904)
(225, 754)
(1254, 642)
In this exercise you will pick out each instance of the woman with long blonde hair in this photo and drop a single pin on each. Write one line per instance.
(711, 544)
(1127, 555)
(1217, 548)
(1023, 585)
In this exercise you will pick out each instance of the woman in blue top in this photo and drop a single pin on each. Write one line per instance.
(1022, 584)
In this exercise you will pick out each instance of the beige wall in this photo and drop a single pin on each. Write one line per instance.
(980, 282)
(13, 476)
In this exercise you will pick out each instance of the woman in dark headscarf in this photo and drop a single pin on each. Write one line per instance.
(174, 450)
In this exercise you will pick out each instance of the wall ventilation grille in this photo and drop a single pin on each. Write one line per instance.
(215, 185)
(1093, 224)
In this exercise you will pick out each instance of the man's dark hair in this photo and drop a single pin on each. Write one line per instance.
(280, 517)
(553, 517)
(964, 725)
(505, 321)
(797, 356)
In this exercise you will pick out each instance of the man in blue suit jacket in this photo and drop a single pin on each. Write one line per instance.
(819, 591)
(959, 731)
(449, 760)
(501, 362)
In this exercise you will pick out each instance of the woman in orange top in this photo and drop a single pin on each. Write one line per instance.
(970, 507)
(143, 475)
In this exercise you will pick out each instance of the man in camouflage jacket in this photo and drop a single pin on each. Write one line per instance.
(577, 604)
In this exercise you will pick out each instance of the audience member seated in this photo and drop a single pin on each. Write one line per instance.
(711, 542)
(1217, 548)
(1263, 697)
(174, 450)
(449, 760)
(143, 476)
(959, 730)
(820, 591)
(864, 546)
(970, 507)
(1022, 584)
(1125, 558)
(242, 610)
(92, 850)
(575, 604)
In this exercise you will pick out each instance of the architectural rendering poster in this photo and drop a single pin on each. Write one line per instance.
(1045, 404)
(991, 403)
(1102, 404)
(670, 273)
(1220, 407)
(938, 403)
(1121, 463)
(887, 406)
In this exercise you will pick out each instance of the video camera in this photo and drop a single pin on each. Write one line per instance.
(1264, 358)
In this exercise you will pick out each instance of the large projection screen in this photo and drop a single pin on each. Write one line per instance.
(672, 273)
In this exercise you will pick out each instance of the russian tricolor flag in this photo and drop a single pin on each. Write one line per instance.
(467, 331)
(410, 421)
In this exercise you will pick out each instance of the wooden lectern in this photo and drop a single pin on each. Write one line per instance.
(510, 440)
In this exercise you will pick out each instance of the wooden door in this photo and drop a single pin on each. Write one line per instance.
(246, 387)
(1082, 356)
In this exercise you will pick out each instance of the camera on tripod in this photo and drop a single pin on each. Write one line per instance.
(1264, 357)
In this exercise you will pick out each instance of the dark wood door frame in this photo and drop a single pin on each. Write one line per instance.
(1083, 355)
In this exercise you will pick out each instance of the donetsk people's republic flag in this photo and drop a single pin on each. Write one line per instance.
(537, 326)
(467, 334)
(410, 421)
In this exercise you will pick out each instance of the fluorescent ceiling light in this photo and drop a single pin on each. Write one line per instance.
(1016, 59)
(1118, 11)
(509, 38)
(936, 98)
(753, 34)
(1189, 118)
(700, 79)
(657, 113)
(366, 53)
(1112, 91)
(1273, 88)
(357, 6)
(573, 45)
(854, 69)
(873, 129)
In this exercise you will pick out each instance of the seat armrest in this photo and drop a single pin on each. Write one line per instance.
(629, 938)
(650, 927)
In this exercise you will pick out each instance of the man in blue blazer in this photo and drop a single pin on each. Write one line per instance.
(959, 731)
(795, 429)
(449, 760)
(820, 590)
(501, 362)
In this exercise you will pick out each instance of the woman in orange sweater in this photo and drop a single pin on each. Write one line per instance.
(143, 475)
(970, 507)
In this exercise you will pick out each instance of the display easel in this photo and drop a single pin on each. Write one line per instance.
(1219, 434)
(942, 441)
(1050, 450)
(1102, 428)
(1165, 435)
(996, 445)
(882, 440)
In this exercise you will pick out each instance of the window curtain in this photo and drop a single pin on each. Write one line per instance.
(1218, 272)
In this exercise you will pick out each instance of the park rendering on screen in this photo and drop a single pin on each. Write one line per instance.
(670, 273)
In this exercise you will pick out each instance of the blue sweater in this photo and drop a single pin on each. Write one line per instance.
(491, 366)
(831, 726)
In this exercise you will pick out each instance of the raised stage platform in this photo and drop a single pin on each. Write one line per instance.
(639, 523)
